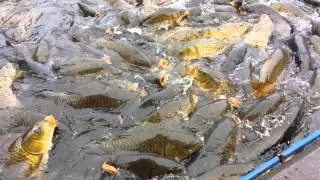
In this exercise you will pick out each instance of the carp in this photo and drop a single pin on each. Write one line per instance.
(261, 33)
(128, 52)
(30, 150)
(269, 73)
(202, 48)
(226, 32)
(166, 17)
(172, 145)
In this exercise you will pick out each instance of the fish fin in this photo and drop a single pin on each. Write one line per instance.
(261, 89)
(144, 23)
(235, 102)
(16, 155)
(121, 136)
(110, 169)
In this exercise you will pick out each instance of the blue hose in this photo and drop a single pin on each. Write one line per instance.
(287, 153)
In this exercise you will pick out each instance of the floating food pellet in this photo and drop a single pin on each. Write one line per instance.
(110, 169)
(164, 63)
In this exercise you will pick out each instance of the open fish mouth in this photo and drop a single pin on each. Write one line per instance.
(51, 121)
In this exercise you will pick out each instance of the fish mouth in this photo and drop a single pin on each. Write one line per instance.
(51, 121)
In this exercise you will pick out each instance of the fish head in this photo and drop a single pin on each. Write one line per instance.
(8, 70)
(184, 13)
(188, 53)
(164, 63)
(37, 140)
(190, 70)
(244, 27)
(180, 151)
(163, 79)
(181, 14)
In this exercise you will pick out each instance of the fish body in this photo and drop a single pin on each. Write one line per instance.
(82, 69)
(31, 149)
(184, 105)
(282, 29)
(206, 116)
(235, 57)
(263, 106)
(315, 3)
(87, 10)
(273, 67)
(172, 145)
(270, 72)
(202, 48)
(153, 166)
(84, 101)
(167, 16)
(128, 52)
(225, 32)
(260, 34)
(88, 68)
(209, 80)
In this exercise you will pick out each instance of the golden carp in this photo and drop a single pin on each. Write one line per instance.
(269, 73)
(212, 81)
(209, 80)
(202, 48)
(32, 148)
(166, 17)
(260, 34)
(228, 32)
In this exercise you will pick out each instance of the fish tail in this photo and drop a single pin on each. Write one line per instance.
(257, 85)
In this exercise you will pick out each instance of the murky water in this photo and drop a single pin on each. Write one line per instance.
(112, 106)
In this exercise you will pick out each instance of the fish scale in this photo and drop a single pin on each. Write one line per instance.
(155, 143)
(82, 69)
(90, 71)
(92, 101)
(273, 67)
(225, 32)
(165, 15)
(269, 73)
(200, 48)
(161, 18)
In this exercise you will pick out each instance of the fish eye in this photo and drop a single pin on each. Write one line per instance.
(188, 50)
(36, 131)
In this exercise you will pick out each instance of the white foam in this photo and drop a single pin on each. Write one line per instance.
(135, 30)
